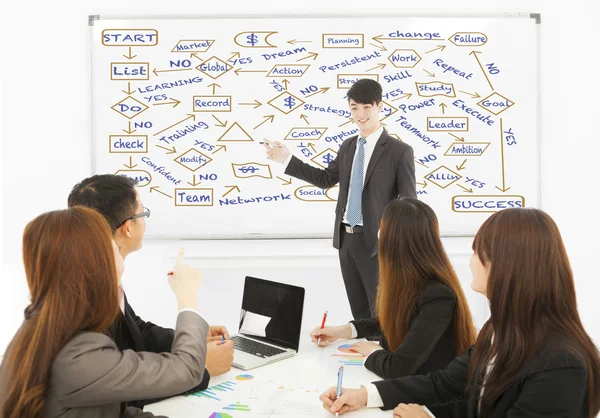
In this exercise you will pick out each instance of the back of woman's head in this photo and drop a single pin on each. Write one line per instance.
(532, 297)
(70, 269)
(411, 254)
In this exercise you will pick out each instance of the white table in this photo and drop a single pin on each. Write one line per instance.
(310, 372)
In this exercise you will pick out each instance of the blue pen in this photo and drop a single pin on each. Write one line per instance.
(222, 339)
(339, 385)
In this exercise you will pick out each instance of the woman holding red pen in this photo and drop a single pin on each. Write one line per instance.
(423, 319)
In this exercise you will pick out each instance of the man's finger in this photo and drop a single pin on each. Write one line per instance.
(180, 256)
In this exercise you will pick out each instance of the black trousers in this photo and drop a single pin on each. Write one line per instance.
(360, 273)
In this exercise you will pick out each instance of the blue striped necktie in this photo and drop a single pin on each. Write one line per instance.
(356, 186)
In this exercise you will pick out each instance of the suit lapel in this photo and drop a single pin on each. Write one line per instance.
(377, 153)
(133, 329)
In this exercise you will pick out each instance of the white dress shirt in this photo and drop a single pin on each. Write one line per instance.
(368, 147)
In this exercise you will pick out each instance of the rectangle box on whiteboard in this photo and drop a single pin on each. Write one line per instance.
(128, 144)
(345, 81)
(343, 40)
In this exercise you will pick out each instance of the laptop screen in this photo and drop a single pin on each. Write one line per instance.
(272, 312)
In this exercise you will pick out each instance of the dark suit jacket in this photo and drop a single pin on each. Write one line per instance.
(428, 346)
(390, 175)
(133, 333)
(553, 384)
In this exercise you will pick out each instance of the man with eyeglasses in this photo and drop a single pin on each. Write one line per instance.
(117, 199)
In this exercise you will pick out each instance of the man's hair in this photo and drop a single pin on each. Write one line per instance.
(365, 91)
(112, 195)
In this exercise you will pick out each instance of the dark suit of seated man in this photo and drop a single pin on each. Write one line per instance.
(116, 198)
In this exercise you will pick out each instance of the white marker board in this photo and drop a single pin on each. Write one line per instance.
(181, 104)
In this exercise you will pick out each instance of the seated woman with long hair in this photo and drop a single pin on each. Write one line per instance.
(532, 357)
(61, 362)
(422, 314)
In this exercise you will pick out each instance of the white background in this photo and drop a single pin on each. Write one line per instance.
(46, 149)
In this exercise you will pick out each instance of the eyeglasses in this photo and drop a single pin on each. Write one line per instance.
(144, 214)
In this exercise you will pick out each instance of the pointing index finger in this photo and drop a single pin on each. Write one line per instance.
(180, 256)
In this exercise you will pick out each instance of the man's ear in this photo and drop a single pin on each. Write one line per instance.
(124, 230)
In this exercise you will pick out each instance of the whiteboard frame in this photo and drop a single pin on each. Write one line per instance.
(519, 15)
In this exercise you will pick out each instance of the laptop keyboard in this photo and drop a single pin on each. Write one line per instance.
(254, 347)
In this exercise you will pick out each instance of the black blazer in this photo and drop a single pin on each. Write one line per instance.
(553, 384)
(428, 346)
(133, 333)
(390, 175)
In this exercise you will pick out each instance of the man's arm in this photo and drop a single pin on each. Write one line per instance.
(405, 174)
(323, 178)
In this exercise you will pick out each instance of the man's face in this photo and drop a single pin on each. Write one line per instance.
(365, 116)
(138, 226)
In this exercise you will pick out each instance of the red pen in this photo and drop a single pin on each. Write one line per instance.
(170, 273)
(322, 326)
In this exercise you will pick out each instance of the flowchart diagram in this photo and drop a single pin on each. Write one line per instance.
(183, 111)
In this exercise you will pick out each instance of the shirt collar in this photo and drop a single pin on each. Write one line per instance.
(371, 139)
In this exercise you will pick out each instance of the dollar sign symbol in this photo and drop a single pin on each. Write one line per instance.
(327, 158)
(252, 39)
(289, 102)
(250, 169)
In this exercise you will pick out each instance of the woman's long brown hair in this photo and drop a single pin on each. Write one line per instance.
(71, 274)
(532, 296)
(410, 254)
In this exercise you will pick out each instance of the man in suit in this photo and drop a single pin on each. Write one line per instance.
(116, 198)
(372, 169)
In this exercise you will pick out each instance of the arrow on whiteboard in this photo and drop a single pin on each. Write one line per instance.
(294, 41)
(155, 71)
(129, 91)
(381, 47)
(465, 189)
(321, 90)
(461, 166)
(428, 73)
(177, 123)
(231, 188)
(350, 120)
(474, 96)
(256, 104)
(474, 53)
(443, 106)
(219, 148)
(214, 85)
(439, 48)
(312, 147)
(194, 181)
(220, 124)
(312, 55)
(285, 182)
(424, 184)
(196, 56)
(171, 150)
(268, 117)
(504, 188)
(235, 55)
(155, 189)
(380, 66)
(305, 119)
(129, 131)
(130, 57)
(131, 165)
(175, 102)
(239, 70)
(458, 138)
(404, 96)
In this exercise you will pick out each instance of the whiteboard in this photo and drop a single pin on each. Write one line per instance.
(181, 105)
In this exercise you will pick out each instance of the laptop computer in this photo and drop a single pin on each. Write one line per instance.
(270, 322)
